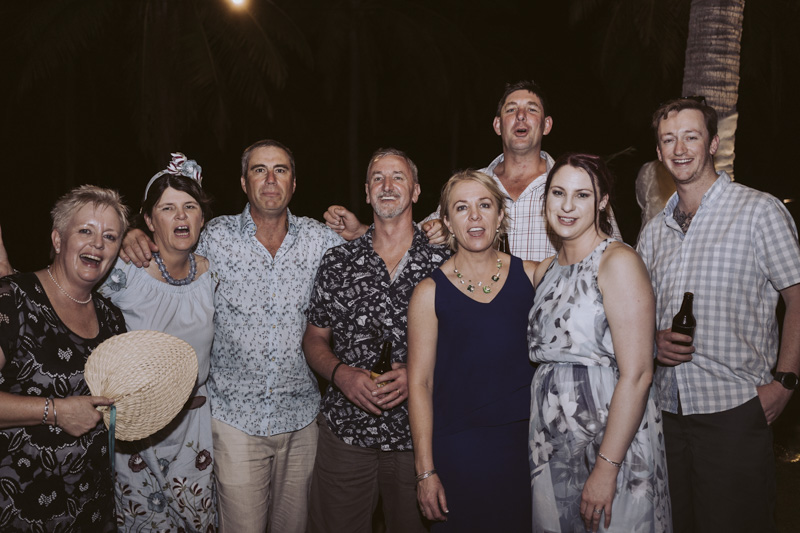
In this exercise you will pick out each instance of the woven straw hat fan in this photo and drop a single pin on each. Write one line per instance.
(149, 374)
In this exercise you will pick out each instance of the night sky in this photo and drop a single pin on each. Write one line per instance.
(78, 107)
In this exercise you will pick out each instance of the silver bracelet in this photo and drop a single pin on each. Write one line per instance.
(426, 475)
(618, 465)
(46, 409)
(55, 413)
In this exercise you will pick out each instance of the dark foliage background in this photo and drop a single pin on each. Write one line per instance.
(100, 91)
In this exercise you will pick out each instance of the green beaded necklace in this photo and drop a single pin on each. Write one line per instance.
(470, 286)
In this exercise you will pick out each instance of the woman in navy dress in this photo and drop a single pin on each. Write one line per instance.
(468, 370)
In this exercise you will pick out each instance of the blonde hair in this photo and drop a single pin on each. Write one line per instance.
(490, 185)
(77, 198)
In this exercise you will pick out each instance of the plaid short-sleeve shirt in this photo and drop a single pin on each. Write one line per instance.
(739, 252)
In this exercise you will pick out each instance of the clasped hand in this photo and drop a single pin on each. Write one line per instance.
(363, 391)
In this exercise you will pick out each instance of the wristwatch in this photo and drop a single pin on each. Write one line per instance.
(789, 380)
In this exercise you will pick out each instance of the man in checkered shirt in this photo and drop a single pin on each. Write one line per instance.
(521, 121)
(737, 250)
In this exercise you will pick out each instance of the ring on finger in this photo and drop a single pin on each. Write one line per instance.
(597, 511)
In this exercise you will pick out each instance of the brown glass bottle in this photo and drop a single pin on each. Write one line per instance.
(684, 321)
(384, 363)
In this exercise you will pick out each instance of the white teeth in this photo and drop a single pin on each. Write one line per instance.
(91, 257)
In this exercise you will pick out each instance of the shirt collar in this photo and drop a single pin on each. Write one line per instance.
(713, 192)
(248, 226)
(500, 158)
(420, 238)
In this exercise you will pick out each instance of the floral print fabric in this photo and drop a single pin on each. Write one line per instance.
(354, 296)
(571, 393)
(260, 382)
(165, 482)
(50, 480)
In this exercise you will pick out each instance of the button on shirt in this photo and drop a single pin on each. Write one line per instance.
(260, 382)
(354, 296)
(740, 250)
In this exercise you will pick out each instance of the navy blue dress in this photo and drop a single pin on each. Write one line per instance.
(481, 405)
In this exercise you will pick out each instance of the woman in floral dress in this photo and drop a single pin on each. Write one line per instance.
(55, 473)
(165, 482)
(596, 443)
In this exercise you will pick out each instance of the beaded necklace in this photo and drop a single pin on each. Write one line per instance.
(471, 287)
(169, 279)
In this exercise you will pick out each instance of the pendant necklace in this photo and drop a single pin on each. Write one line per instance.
(82, 302)
(169, 279)
(485, 288)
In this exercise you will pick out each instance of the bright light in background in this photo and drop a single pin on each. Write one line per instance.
(238, 3)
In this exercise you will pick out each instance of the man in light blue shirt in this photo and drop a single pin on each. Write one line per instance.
(264, 398)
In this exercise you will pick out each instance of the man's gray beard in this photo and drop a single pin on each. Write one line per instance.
(387, 213)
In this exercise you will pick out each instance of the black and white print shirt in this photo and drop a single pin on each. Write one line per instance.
(355, 297)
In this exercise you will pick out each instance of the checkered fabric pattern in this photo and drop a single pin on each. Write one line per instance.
(740, 250)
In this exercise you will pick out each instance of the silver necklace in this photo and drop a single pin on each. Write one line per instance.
(169, 279)
(82, 302)
(486, 288)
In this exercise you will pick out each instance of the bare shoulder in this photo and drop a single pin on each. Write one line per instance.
(621, 265)
(530, 268)
(425, 290)
(541, 269)
(202, 264)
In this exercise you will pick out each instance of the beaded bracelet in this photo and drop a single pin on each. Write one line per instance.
(426, 475)
(340, 363)
(55, 413)
(46, 409)
(618, 465)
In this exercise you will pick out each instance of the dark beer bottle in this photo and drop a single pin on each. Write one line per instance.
(684, 321)
(384, 363)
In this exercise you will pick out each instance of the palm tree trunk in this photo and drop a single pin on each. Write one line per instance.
(712, 66)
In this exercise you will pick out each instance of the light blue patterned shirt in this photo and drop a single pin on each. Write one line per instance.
(740, 250)
(260, 382)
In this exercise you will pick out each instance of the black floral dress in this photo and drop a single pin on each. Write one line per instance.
(49, 480)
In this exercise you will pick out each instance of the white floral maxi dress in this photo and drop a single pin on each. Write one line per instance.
(571, 393)
(165, 482)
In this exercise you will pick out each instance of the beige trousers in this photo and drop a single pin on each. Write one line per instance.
(263, 482)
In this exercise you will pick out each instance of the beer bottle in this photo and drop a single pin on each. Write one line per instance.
(684, 321)
(384, 363)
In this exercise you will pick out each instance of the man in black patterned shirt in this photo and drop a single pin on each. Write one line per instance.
(360, 300)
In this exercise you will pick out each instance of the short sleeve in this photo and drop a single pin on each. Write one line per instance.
(777, 248)
(116, 280)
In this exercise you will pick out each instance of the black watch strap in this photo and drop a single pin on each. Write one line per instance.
(789, 380)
